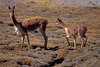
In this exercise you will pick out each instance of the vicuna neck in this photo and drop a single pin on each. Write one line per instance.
(63, 25)
(14, 20)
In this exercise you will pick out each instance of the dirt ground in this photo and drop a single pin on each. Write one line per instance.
(59, 54)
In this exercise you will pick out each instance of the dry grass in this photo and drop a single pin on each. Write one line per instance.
(11, 46)
(89, 2)
(3, 59)
(24, 60)
(70, 14)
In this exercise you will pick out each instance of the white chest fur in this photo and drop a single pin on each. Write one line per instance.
(18, 29)
(66, 30)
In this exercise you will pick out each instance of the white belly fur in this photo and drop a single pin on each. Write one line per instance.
(18, 29)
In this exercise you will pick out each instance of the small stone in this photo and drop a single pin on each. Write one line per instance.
(1, 22)
(10, 24)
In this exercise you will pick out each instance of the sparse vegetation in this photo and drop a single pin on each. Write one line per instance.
(89, 2)
(24, 60)
(10, 43)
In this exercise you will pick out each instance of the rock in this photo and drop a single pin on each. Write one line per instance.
(39, 64)
(97, 51)
(36, 31)
(10, 24)
(1, 22)
(32, 2)
(25, 66)
(46, 58)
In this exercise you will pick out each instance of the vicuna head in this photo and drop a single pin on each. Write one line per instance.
(59, 21)
(11, 10)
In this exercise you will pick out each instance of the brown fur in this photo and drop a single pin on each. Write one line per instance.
(74, 30)
(33, 23)
(29, 24)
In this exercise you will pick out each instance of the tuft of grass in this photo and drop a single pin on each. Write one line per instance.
(31, 54)
(89, 2)
(63, 52)
(3, 57)
(57, 42)
(8, 65)
(79, 50)
(11, 46)
(24, 60)
(94, 7)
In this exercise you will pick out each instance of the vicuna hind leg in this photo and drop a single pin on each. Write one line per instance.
(42, 29)
(74, 42)
(28, 41)
(23, 37)
(81, 35)
(85, 40)
(68, 40)
(82, 42)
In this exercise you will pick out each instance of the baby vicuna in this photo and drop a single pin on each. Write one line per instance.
(74, 30)
(29, 24)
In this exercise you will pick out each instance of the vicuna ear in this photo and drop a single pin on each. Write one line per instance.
(9, 7)
(14, 7)
(59, 19)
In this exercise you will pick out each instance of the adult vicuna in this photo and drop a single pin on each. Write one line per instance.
(29, 24)
(74, 30)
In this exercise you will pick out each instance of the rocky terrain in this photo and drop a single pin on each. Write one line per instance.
(60, 2)
(59, 54)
